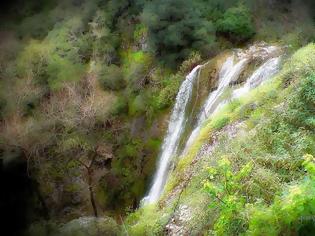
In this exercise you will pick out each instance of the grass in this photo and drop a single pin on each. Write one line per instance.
(277, 157)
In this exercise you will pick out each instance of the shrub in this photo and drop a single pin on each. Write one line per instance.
(220, 122)
(61, 70)
(146, 221)
(190, 63)
(136, 66)
(236, 23)
(290, 213)
(175, 28)
(167, 94)
(120, 106)
(302, 63)
(137, 105)
(224, 186)
(30, 26)
(33, 60)
(111, 77)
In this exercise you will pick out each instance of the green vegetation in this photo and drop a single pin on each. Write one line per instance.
(254, 184)
(183, 29)
(237, 23)
(86, 90)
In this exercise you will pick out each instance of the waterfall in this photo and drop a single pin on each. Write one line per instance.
(267, 70)
(175, 128)
(213, 103)
(228, 73)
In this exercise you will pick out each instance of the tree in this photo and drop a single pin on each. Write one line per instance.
(175, 28)
(236, 23)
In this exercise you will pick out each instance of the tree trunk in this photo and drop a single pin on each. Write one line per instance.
(92, 194)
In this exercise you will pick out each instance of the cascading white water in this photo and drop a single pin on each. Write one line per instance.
(170, 144)
(264, 72)
(228, 73)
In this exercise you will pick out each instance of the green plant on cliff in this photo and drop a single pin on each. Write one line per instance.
(292, 211)
(237, 23)
(224, 186)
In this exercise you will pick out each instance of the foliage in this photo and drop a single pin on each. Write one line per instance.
(61, 70)
(69, 59)
(224, 186)
(175, 28)
(300, 64)
(146, 221)
(237, 23)
(33, 60)
(111, 78)
(190, 63)
(293, 211)
(275, 141)
(167, 94)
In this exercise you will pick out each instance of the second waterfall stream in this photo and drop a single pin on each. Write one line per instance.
(175, 129)
(229, 73)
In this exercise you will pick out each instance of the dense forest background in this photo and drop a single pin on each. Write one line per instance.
(86, 88)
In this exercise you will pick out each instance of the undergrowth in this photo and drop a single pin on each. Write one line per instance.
(254, 184)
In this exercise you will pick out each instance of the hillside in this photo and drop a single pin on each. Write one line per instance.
(169, 117)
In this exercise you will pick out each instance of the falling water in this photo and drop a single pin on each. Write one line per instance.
(228, 73)
(175, 128)
(213, 103)
(264, 72)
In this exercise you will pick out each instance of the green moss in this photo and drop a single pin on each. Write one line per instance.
(154, 144)
(147, 220)
(220, 123)
(140, 32)
(137, 106)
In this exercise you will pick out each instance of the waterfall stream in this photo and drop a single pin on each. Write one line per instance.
(264, 72)
(230, 71)
(175, 129)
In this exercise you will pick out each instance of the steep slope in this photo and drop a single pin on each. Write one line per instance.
(86, 92)
(245, 172)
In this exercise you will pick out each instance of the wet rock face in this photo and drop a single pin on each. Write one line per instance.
(181, 217)
(258, 52)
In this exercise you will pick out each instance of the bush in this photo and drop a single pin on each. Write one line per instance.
(291, 213)
(175, 28)
(30, 26)
(137, 105)
(220, 122)
(224, 186)
(136, 66)
(33, 60)
(111, 77)
(61, 70)
(120, 106)
(237, 24)
(167, 94)
(302, 63)
(193, 60)
(146, 221)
